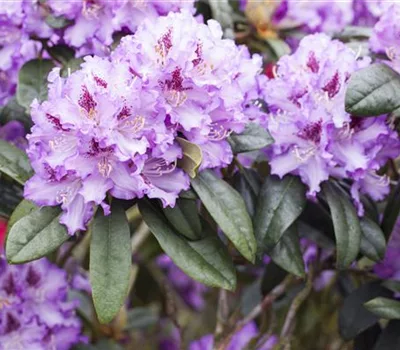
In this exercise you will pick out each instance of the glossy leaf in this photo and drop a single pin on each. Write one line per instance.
(228, 209)
(247, 183)
(390, 337)
(192, 157)
(35, 235)
(32, 81)
(14, 162)
(384, 308)
(287, 253)
(280, 202)
(184, 218)
(23, 209)
(57, 22)
(110, 262)
(373, 91)
(206, 260)
(373, 243)
(253, 137)
(346, 224)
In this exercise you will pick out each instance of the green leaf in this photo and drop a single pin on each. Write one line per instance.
(23, 209)
(287, 253)
(373, 243)
(14, 162)
(384, 308)
(354, 318)
(71, 66)
(192, 157)
(373, 91)
(280, 202)
(35, 235)
(61, 53)
(13, 111)
(184, 218)
(253, 137)
(141, 318)
(390, 337)
(228, 209)
(247, 183)
(354, 32)
(391, 212)
(279, 47)
(57, 22)
(346, 225)
(205, 260)
(110, 262)
(32, 81)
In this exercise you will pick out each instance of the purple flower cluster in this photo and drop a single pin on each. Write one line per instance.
(367, 12)
(96, 21)
(385, 37)
(191, 291)
(14, 133)
(314, 137)
(112, 126)
(238, 341)
(92, 24)
(34, 312)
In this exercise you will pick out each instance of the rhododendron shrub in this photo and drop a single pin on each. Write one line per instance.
(199, 175)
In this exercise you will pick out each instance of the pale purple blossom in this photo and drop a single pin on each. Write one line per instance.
(314, 136)
(205, 95)
(35, 312)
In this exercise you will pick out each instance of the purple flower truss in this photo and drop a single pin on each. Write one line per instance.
(34, 312)
(314, 137)
(111, 127)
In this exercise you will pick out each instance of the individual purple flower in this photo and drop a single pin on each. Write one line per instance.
(314, 136)
(389, 267)
(205, 95)
(170, 338)
(14, 133)
(191, 291)
(100, 131)
(238, 341)
(35, 313)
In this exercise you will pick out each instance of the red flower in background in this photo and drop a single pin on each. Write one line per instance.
(3, 230)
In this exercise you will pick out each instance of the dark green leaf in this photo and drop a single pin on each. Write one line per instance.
(189, 194)
(192, 157)
(32, 81)
(14, 162)
(392, 285)
(390, 337)
(228, 209)
(373, 243)
(71, 66)
(373, 91)
(11, 194)
(280, 202)
(247, 183)
(287, 253)
(61, 53)
(253, 137)
(366, 339)
(24, 208)
(354, 32)
(35, 235)
(346, 224)
(392, 211)
(384, 308)
(354, 318)
(141, 318)
(184, 218)
(110, 262)
(206, 260)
